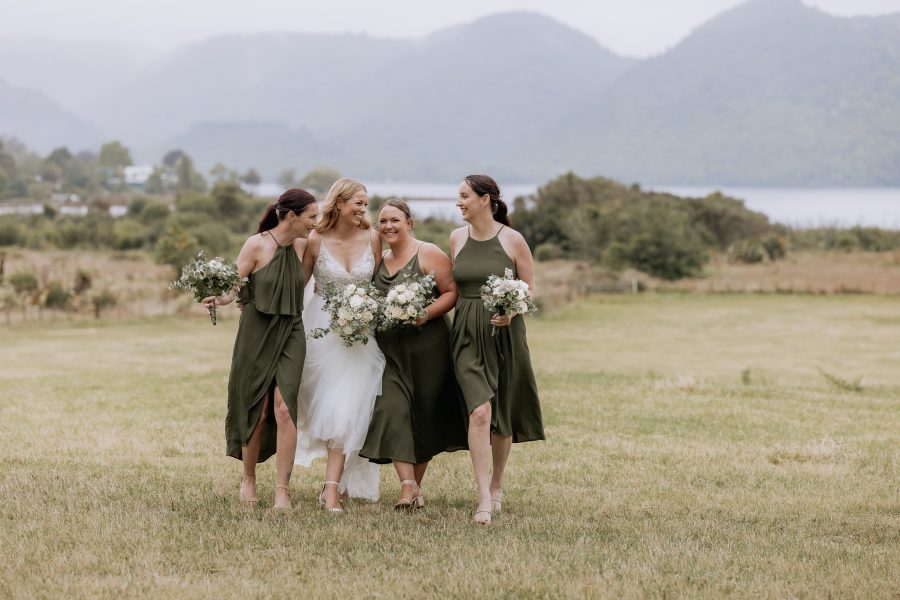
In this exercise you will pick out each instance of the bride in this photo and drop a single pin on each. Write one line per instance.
(339, 384)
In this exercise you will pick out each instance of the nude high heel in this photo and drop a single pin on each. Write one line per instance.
(413, 502)
(322, 503)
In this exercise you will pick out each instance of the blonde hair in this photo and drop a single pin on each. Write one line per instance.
(342, 190)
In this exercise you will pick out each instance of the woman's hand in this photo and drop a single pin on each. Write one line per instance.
(503, 320)
(422, 320)
(223, 300)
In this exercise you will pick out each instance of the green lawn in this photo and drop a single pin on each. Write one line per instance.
(694, 450)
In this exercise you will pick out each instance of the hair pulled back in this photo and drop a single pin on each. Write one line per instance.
(485, 185)
(293, 200)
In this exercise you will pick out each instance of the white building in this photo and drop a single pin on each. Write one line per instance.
(136, 176)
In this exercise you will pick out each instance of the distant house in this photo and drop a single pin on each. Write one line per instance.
(136, 176)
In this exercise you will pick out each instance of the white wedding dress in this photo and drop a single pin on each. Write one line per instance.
(339, 384)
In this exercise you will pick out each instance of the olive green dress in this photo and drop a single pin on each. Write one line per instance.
(495, 369)
(269, 351)
(418, 413)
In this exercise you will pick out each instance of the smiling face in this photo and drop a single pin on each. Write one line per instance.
(354, 210)
(306, 222)
(393, 226)
(469, 203)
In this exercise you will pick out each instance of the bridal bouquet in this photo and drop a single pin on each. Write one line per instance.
(354, 310)
(506, 294)
(209, 278)
(406, 301)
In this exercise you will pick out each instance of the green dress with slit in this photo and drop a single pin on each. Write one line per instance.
(269, 351)
(495, 369)
(418, 413)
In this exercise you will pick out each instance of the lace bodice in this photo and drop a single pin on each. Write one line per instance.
(328, 270)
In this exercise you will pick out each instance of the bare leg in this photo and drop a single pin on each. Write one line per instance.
(285, 449)
(500, 447)
(480, 450)
(334, 468)
(420, 472)
(406, 472)
(250, 454)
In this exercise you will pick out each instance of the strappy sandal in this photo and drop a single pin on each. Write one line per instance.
(413, 502)
(244, 499)
(497, 504)
(322, 503)
(482, 521)
(286, 488)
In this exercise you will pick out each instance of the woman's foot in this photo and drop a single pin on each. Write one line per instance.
(496, 500)
(247, 489)
(282, 497)
(483, 513)
(409, 495)
(330, 499)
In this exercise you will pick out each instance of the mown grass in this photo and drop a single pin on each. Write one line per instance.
(694, 450)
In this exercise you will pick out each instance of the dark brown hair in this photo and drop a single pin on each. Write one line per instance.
(293, 200)
(402, 206)
(485, 184)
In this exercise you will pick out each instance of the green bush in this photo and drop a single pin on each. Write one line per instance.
(213, 237)
(547, 251)
(154, 213)
(10, 233)
(129, 234)
(747, 251)
(57, 296)
(24, 281)
(176, 246)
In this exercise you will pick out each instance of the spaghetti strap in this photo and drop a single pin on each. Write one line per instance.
(498, 231)
(273, 238)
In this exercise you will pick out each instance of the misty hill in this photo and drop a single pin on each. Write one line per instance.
(73, 73)
(769, 93)
(42, 123)
(296, 79)
(772, 92)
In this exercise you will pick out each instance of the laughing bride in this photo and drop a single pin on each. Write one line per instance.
(339, 384)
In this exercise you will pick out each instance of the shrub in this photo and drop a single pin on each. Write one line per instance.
(176, 246)
(102, 300)
(747, 251)
(547, 251)
(24, 281)
(10, 233)
(57, 296)
(129, 234)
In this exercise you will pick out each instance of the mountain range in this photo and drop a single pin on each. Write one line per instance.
(771, 92)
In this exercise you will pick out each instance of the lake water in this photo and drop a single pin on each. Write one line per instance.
(879, 207)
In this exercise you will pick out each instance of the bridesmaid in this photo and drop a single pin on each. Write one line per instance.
(270, 347)
(417, 414)
(494, 372)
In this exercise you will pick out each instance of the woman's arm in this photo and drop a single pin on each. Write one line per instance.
(246, 263)
(310, 253)
(433, 259)
(517, 249)
(375, 240)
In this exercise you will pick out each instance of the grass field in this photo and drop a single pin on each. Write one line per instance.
(694, 449)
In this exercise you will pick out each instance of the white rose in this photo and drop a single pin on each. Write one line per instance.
(356, 302)
(367, 315)
(415, 287)
(412, 311)
(522, 308)
(343, 313)
(396, 312)
(392, 295)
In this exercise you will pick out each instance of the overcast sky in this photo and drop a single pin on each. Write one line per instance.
(631, 27)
